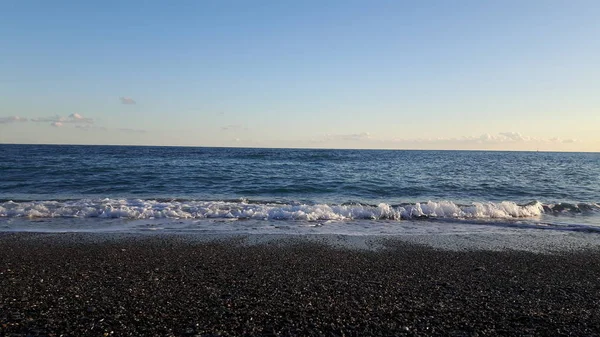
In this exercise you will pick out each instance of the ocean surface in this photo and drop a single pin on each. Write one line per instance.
(51, 188)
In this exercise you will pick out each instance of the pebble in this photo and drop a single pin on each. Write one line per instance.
(226, 289)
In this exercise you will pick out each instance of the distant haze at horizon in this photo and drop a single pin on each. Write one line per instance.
(381, 148)
(468, 75)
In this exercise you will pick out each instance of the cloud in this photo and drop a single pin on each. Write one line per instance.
(102, 128)
(350, 137)
(77, 118)
(90, 127)
(484, 139)
(127, 100)
(233, 127)
(514, 136)
(12, 119)
(73, 118)
(131, 130)
(46, 119)
(564, 141)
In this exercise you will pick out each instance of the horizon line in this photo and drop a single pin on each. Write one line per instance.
(299, 148)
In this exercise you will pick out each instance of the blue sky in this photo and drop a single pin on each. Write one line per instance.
(514, 75)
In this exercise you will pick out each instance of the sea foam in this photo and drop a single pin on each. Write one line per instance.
(195, 209)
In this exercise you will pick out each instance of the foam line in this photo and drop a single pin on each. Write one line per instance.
(195, 209)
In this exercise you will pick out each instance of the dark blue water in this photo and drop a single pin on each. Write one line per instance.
(82, 182)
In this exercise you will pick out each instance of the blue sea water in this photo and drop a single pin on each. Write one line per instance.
(242, 190)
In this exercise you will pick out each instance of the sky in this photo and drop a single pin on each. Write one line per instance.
(490, 75)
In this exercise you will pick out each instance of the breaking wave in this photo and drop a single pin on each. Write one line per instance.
(196, 209)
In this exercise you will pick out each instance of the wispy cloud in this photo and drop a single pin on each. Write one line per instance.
(564, 141)
(57, 124)
(514, 136)
(45, 119)
(126, 100)
(350, 137)
(12, 119)
(499, 138)
(131, 130)
(233, 127)
(486, 138)
(73, 118)
(509, 137)
(90, 127)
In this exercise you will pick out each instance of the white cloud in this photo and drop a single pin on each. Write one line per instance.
(77, 118)
(12, 119)
(57, 124)
(127, 100)
(514, 136)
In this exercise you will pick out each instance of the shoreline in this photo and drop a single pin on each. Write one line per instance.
(525, 240)
(86, 285)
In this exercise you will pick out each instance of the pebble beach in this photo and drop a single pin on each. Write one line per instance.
(79, 285)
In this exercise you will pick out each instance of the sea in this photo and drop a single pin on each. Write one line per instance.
(200, 190)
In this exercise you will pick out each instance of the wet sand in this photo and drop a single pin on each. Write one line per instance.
(77, 285)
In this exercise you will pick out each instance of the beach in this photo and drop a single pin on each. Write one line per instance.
(101, 285)
(273, 168)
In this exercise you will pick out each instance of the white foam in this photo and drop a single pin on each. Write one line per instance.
(152, 209)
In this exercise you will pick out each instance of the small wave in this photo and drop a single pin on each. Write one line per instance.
(562, 208)
(244, 209)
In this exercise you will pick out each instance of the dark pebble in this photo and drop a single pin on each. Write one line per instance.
(166, 286)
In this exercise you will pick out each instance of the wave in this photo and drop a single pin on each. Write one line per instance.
(243, 209)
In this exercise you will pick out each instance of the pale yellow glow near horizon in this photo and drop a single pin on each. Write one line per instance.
(27, 134)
